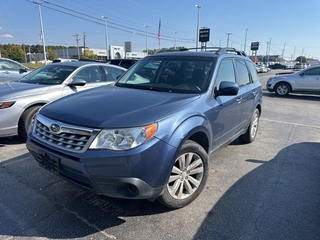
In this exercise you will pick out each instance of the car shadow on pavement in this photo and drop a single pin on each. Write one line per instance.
(11, 141)
(309, 97)
(278, 200)
(36, 203)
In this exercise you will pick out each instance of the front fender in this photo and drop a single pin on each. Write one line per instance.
(177, 133)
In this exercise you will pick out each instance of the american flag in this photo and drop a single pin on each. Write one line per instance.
(159, 30)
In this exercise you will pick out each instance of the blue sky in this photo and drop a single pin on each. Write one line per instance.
(292, 26)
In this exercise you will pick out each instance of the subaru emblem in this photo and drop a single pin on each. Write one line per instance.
(54, 128)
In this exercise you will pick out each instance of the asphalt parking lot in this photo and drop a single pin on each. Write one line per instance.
(269, 189)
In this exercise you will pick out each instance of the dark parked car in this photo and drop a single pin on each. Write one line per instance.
(126, 63)
(152, 133)
(277, 66)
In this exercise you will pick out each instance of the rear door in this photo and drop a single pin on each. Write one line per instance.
(246, 91)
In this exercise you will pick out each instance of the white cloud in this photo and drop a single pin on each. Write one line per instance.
(6, 36)
(0, 27)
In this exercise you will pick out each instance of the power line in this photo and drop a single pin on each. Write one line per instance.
(110, 23)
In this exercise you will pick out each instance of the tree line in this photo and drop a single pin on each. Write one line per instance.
(19, 52)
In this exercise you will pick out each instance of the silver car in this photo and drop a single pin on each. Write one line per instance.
(19, 101)
(303, 81)
(11, 70)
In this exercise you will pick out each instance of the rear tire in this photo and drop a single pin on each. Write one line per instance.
(25, 121)
(188, 176)
(252, 130)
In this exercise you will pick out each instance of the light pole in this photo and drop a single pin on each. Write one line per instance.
(198, 20)
(42, 33)
(245, 41)
(174, 39)
(146, 26)
(269, 50)
(302, 55)
(284, 48)
(106, 35)
(228, 39)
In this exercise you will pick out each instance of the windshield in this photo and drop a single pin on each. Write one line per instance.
(169, 74)
(49, 74)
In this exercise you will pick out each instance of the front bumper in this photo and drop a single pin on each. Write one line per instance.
(140, 173)
(270, 88)
(9, 121)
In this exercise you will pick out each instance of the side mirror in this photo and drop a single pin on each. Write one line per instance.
(77, 82)
(302, 74)
(227, 89)
(22, 70)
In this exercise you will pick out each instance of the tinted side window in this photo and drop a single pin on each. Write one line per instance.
(243, 77)
(112, 73)
(253, 71)
(314, 71)
(225, 73)
(8, 65)
(90, 74)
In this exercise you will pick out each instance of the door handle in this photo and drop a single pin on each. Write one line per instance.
(239, 100)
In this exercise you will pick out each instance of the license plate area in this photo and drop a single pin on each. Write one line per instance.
(49, 162)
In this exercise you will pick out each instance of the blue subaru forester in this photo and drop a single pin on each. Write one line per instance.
(151, 134)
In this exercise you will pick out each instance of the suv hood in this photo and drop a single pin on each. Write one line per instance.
(111, 107)
(12, 90)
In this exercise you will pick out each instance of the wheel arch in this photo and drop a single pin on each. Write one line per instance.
(281, 82)
(36, 104)
(195, 128)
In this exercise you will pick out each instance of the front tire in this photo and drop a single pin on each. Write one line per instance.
(252, 130)
(188, 176)
(282, 89)
(25, 121)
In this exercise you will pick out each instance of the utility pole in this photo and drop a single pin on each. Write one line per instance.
(77, 41)
(228, 39)
(84, 43)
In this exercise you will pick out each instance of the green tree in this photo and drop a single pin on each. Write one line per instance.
(16, 53)
(301, 59)
(52, 54)
(4, 52)
(88, 54)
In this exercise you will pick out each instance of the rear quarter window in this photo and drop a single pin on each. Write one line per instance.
(253, 72)
(242, 74)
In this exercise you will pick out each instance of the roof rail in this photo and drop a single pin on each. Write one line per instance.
(218, 50)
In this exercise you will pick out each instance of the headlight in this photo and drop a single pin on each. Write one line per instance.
(123, 138)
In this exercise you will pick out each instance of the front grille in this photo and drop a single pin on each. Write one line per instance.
(65, 136)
